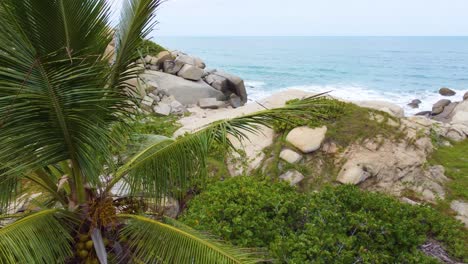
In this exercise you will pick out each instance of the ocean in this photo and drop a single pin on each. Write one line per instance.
(396, 69)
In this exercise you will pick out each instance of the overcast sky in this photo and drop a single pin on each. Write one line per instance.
(312, 18)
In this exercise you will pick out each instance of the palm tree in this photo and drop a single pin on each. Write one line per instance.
(63, 109)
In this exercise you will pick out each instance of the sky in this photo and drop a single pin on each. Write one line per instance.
(311, 18)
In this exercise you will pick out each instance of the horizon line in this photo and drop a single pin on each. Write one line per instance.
(295, 36)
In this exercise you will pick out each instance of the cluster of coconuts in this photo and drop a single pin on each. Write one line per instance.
(85, 246)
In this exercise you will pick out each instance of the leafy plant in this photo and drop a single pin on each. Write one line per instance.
(148, 47)
(246, 211)
(336, 225)
(64, 113)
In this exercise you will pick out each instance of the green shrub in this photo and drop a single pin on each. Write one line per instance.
(245, 211)
(149, 47)
(346, 225)
(337, 225)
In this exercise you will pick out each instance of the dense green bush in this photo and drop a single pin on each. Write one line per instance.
(245, 211)
(337, 225)
(149, 47)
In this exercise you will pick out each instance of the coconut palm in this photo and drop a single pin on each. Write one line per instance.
(63, 110)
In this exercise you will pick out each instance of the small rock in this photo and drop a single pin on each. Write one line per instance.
(235, 101)
(307, 139)
(415, 103)
(162, 109)
(190, 72)
(162, 57)
(446, 91)
(177, 108)
(211, 103)
(293, 177)
(352, 174)
(148, 59)
(147, 103)
(172, 67)
(330, 148)
(290, 156)
(438, 107)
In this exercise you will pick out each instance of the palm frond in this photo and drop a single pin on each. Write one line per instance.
(136, 22)
(55, 102)
(42, 237)
(156, 242)
(166, 169)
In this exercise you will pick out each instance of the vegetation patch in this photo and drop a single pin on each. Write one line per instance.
(156, 125)
(336, 225)
(149, 47)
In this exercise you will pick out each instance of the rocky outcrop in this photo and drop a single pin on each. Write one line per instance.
(293, 177)
(185, 77)
(185, 91)
(461, 209)
(438, 107)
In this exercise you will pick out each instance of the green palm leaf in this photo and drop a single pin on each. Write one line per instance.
(42, 237)
(156, 242)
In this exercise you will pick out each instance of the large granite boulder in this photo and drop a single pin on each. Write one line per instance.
(185, 91)
(190, 60)
(172, 67)
(307, 139)
(460, 113)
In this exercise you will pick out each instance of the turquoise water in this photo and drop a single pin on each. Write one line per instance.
(397, 69)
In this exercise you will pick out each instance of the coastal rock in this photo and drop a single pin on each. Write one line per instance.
(186, 59)
(307, 139)
(190, 72)
(185, 91)
(218, 82)
(210, 103)
(465, 96)
(290, 156)
(236, 85)
(460, 113)
(162, 109)
(147, 103)
(293, 177)
(162, 57)
(438, 107)
(235, 101)
(353, 173)
(447, 111)
(446, 91)
(415, 103)
(383, 106)
(172, 67)
(177, 108)
(148, 59)
(461, 208)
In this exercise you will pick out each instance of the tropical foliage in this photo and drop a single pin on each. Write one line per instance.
(336, 225)
(65, 106)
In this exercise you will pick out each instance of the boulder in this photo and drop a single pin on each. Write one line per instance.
(424, 113)
(330, 148)
(415, 103)
(235, 101)
(446, 91)
(177, 108)
(307, 139)
(172, 67)
(147, 103)
(218, 82)
(184, 91)
(438, 107)
(194, 61)
(148, 59)
(353, 173)
(383, 106)
(210, 103)
(461, 208)
(447, 111)
(162, 109)
(190, 72)
(465, 97)
(162, 57)
(460, 113)
(236, 85)
(290, 156)
(293, 177)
